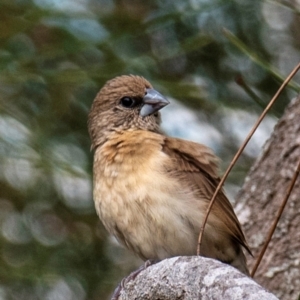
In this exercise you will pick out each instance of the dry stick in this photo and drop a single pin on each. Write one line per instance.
(261, 254)
(232, 163)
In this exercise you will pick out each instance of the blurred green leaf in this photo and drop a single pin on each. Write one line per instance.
(253, 56)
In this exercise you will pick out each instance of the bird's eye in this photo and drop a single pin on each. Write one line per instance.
(127, 102)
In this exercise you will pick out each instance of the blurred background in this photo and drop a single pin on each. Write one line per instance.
(218, 61)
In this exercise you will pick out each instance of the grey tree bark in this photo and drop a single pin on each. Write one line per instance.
(258, 203)
(192, 277)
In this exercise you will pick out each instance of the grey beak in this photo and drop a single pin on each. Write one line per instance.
(153, 101)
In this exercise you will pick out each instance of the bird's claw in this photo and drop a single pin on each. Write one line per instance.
(130, 277)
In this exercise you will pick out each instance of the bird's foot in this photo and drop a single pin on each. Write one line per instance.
(130, 277)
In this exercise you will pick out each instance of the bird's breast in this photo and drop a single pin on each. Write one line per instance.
(140, 203)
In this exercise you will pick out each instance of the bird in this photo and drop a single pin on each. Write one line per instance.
(150, 190)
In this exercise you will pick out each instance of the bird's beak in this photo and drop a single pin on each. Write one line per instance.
(153, 101)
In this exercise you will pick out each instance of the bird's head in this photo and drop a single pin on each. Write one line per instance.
(126, 102)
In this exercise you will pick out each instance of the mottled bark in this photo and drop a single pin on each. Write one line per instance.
(258, 203)
(192, 277)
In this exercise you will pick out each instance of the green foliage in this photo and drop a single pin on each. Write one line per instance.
(54, 57)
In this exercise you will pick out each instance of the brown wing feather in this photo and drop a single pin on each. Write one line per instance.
(197, 164)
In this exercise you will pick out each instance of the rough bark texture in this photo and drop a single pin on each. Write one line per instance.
(259, 200)
(190, 278)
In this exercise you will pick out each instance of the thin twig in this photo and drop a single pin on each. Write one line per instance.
(232, 163)
(261, 254)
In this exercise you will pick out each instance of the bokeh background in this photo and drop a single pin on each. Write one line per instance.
(219, 61)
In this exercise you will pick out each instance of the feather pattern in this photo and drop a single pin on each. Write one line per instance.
(197, 165)
(151, 191)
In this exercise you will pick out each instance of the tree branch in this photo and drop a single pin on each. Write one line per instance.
(192, 277)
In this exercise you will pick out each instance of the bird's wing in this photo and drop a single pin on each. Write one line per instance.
(196, 164)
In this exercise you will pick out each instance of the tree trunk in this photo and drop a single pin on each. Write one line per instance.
(259, 201)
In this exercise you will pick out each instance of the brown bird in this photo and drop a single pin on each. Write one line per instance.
(151, 191)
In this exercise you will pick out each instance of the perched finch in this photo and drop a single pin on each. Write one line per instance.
(151, 191)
